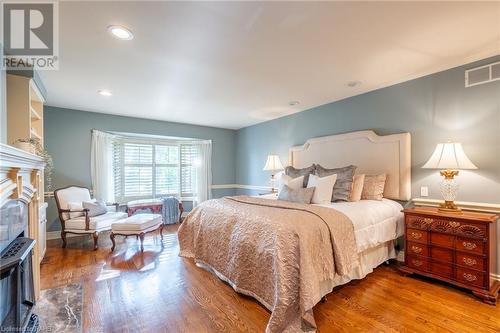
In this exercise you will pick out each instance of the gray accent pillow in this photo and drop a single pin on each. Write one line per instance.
(95, 208)
(343, 186)
(301, 195)
(294, 173)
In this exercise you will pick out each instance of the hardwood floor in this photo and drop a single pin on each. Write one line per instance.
(157, 291)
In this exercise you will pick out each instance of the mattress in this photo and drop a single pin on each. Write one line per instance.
(375, 222)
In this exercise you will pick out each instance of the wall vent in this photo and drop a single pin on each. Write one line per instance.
(483, 74)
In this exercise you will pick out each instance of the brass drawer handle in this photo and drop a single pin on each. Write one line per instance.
(454, 224)
(417, 263)
(469, 261)
(416, 249)
(469, 277)
(416, 235)
(469, 245)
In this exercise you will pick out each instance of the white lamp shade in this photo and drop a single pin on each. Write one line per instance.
(449, 156)
(273, 163)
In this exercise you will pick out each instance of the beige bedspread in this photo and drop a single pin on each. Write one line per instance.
(283, 254)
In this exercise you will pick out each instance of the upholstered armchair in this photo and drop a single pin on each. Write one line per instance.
(76, 220)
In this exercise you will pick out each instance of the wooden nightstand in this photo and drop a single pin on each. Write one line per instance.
(460, 249)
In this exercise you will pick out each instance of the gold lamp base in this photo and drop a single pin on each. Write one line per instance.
(449, 207)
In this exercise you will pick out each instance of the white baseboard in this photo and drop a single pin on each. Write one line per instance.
(57, 235)
(401, 256)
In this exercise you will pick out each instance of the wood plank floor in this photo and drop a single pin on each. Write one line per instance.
(157, 291)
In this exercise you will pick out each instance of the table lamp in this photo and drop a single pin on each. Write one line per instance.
(274, 165)
(449, 158)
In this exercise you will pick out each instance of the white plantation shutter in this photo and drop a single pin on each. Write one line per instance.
(155, 168)
(189, 155)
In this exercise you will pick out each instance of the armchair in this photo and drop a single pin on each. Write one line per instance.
(76, 220)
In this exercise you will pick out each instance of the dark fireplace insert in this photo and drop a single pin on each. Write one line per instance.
(16, 274)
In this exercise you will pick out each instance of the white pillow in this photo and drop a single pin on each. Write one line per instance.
(324, 188)
(292, 183)
(75, 206)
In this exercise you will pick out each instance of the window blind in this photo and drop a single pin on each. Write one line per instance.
(152, 169)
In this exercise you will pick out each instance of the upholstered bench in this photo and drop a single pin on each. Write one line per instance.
(137, 225)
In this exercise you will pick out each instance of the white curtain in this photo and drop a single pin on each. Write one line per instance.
(204, 172)
(101, 165)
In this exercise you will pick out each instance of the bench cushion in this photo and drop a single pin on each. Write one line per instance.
(101, 222)
(138, 222)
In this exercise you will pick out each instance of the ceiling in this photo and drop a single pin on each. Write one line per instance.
(234, 64)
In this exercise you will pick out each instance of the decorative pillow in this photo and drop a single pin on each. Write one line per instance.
(293, 183)
(95, 208)
(75, 206)
(300, 195)
(343, 185)
(324, 188)
(294, 173)
(357, 187)
(373, 188)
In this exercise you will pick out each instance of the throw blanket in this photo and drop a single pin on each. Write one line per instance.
(170, 210)
(283, 254)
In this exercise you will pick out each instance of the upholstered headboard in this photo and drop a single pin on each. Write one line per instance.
(371, 153)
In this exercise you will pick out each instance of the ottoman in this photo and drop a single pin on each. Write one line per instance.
(136, 225)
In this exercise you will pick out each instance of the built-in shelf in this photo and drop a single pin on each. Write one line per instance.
(35, 134)
(35, 115)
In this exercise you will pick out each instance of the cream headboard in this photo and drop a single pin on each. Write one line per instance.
(371, 153)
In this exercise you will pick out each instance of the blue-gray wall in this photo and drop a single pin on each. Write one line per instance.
(67, 138)
(433, 109)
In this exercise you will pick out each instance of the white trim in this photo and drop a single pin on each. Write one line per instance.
(57, 235)
(401, 256)
(495, 276)
(475, 206)
(11, 157)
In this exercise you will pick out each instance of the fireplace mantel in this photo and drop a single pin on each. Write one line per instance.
(20, 178)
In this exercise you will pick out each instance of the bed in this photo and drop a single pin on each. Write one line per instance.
(287, 255)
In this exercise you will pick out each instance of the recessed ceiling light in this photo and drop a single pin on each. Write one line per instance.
(120, 32)
(353, 84)
(104, 92)
(293, 103)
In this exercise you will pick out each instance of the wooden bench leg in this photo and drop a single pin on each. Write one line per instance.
(141, 236)
(95, 235)
(112, 236)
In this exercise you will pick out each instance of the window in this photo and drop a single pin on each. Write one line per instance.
(145, 169)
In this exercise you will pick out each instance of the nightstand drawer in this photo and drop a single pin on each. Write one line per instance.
(470, 245)
(468, 276)
(419, 249)
(417, 263)
(418, 236)
(442, 254)
(470, 261)
(442, 239)
(418, 222)
(442, 269)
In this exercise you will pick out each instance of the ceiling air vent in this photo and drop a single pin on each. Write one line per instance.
(483, 74)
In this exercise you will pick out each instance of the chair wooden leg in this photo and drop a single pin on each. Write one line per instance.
(141, 236)
(63, 237)
(112, 236)
(95, 235)
(161, 232)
